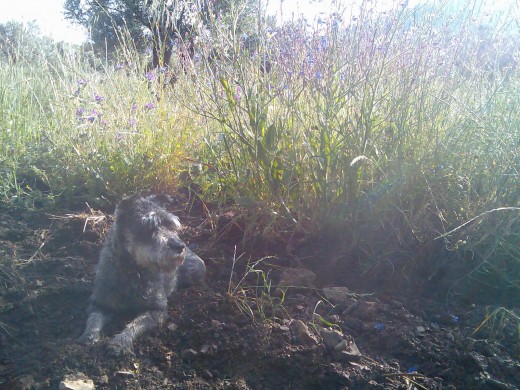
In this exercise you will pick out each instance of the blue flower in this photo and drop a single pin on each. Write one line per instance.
(379, 326)
(412, 369)
(324, 42)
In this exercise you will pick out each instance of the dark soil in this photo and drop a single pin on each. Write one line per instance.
(235, 335)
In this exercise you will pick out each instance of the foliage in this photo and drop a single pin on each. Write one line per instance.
(161, 24)
(394, 134)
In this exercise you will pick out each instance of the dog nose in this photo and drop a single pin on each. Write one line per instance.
(176, 246)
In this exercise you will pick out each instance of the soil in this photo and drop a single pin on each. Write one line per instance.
(239, 332)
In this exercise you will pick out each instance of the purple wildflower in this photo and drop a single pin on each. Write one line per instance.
(79, 114)
(132, 122)
(119, 136)
(120, 66)
(98, 98)
(82, 82)
(150, 76)
(148, 50)
(238, 94)
(134, 107)
(149, 106)
(93, 116)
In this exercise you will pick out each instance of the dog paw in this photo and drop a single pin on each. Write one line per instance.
(88, 338)
(121, 345)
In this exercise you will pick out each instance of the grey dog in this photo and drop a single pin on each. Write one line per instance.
(143, 261)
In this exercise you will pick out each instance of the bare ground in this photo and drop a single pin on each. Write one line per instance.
(224, 336)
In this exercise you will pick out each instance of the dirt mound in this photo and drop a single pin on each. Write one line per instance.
(233, 336)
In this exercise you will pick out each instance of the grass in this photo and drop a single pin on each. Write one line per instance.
(388, 133)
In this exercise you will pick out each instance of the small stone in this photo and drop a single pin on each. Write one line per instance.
(77, 381)
(125, 373)
(350, 353)
(331, 338)
(336, 294)
(365, 311)
(216, 324)
(188, 354)
(279, 328)
(208, 349)
(420, 330)
(25, 382)
(343, 344)
(173, 327)
(301, 333)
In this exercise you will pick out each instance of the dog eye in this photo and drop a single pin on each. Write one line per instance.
(151, 221)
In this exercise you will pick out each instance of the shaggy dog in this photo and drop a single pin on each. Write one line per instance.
(142, 263)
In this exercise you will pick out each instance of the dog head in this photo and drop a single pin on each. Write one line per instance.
(149, 233)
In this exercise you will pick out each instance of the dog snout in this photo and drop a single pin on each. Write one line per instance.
(176, 246)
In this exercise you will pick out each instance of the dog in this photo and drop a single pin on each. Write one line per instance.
(143, 261)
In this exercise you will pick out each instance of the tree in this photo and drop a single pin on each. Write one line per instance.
(23, 42)
(163, 22)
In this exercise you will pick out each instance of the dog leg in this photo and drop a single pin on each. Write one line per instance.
(95, 322)
(122, 343)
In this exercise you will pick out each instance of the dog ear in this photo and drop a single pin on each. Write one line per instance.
(160, 199)
(126, 202)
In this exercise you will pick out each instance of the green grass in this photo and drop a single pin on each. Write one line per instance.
(388, 135)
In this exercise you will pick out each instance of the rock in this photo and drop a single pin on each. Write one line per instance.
(331, 338)
(343, 344)
(336, 294)
(208, 349)
(350, 353)
(301, 333)
(76, 381)
(420, 330)
(279, 328)
(365, 311)
(297, 277)
(478, 361)
(173, 327)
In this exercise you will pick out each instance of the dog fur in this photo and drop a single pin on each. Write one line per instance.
(143, 261)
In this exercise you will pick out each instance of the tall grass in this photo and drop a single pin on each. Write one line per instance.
(384, 132)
